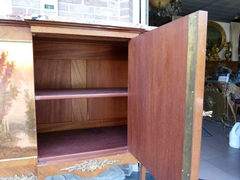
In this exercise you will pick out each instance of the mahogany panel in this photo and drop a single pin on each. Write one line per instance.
(55, 49)
(79, 110)
(107, 108)
(107, 73)
(166, 81)
(157, 96)
(78, 74)
(52, 73)
(53, 111)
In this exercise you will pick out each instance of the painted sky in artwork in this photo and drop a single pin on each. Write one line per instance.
(21, 54)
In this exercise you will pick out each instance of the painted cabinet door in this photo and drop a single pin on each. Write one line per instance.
(18, 146)
(165, 102)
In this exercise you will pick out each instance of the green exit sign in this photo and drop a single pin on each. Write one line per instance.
(48, 6)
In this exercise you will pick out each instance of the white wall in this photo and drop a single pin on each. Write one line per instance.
(5, 7)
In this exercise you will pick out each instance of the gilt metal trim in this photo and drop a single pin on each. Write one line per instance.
(30, 176)
(197, 22)
(90, 166)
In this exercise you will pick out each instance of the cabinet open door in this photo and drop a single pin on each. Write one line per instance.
(165, 101)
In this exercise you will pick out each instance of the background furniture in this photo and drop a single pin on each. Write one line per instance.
(215, 93)
(215, 99)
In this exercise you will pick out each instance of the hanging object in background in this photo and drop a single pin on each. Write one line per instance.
(166, 8)
(159, 4)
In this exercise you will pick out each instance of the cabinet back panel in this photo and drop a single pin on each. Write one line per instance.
(107, 74)
(65, 65)
(52, 74)
(78, 74)
(79, 110)
(79, 50)
(53, 111)
(60, 111)
(55, 115)
(107, 108)
(70, 64)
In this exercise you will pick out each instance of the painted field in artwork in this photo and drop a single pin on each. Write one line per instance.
(17, 105)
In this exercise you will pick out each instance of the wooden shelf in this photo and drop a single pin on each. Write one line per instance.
(52, 94)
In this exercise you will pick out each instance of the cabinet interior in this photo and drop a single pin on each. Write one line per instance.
(80, 95)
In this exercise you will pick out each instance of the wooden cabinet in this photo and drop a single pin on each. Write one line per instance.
(80, 83)
(211, 67)
(113, 95)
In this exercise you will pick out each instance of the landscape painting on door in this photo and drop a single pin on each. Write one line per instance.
(17, 108)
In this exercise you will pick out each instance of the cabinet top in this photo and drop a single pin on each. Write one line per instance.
(76, 21)
(59, 27)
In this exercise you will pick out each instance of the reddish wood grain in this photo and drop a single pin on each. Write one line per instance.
(166, 79)
(67, 70)
(107, 108)
(157, 95)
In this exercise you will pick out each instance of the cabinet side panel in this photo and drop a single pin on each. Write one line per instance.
(17, 109)
(157, 97)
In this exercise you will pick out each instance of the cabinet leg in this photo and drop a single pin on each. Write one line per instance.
(142, 173)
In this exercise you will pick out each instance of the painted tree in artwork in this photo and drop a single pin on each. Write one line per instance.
(8, 91)
(30, 123)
